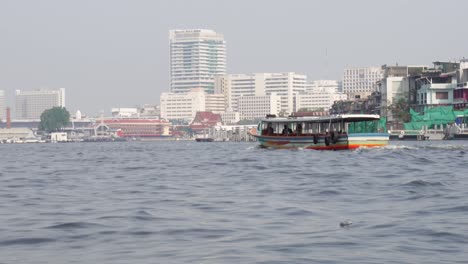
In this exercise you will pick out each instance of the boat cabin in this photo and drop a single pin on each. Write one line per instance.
(309, 126)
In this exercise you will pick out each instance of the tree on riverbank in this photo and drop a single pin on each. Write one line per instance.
(54, 119)
(400, 110)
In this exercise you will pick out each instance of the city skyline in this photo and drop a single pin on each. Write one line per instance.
(119, 56)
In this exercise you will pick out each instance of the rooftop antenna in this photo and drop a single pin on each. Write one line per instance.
(326, 63)
(102, 123)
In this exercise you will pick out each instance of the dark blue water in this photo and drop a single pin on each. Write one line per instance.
(189, 202)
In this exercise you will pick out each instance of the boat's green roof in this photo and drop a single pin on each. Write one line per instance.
(319, 119)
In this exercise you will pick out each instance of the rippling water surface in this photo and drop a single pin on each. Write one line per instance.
(189, 202)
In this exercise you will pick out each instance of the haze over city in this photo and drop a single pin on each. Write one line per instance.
(116, 53)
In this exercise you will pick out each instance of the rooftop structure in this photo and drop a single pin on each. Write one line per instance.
(205, 120)
(2, 105)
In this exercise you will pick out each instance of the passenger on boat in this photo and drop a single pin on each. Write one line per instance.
(270, 131)
(299, 129)
(286, 131)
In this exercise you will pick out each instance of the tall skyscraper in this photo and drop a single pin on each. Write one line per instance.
(197, 56)
(31, 104)
(2, 105)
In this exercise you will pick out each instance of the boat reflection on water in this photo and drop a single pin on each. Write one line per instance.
(204, 139)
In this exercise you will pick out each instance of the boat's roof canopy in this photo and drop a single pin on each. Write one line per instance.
(320, 119)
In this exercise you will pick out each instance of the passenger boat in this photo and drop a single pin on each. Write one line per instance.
(348, 131)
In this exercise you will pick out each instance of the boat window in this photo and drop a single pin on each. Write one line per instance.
(363, 126)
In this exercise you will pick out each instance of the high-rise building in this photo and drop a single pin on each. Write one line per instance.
(2, 105)
(197, 56)
(286, 85)
(31, 104)
(361, 81)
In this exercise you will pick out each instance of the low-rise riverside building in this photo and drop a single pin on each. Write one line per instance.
(179, 106)
(286, 85)
(230, 117)
(319, 95)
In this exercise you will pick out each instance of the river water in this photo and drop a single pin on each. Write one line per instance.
(189, 202)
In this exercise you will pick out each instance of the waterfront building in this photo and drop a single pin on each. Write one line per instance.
(235, 85)
(255, 107)
(286, 85)
(140, 127)
(327, 85)
(15, 134)
(214, 103)
(205, 120)
(230, 117)
(361, 82)
(179, 106)
(437, 85)
(150, 111)
(30, 105)
(2, 105)
(319, 95)
(397, 82)
(460, 97)
(120, 112)
(433, 93)
(318, 99)
(197, 56)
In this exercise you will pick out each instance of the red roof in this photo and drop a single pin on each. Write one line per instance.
(135, 121)
(205, 120)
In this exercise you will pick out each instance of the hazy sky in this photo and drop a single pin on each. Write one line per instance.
(110, 53)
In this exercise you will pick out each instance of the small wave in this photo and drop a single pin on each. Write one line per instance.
(144, 218)
(421, 183)
(455, 209)
(329, 192)
(259, 167)
(382, 226)
(291, 211)
(73, 225)
(440, 235)
(244, 160)
(446, 147)
(134, 168)
(140, 233)
(385, 148)
(393, 147)
(199, 232)
(26, 241)
(107, 232)
(218, 163)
